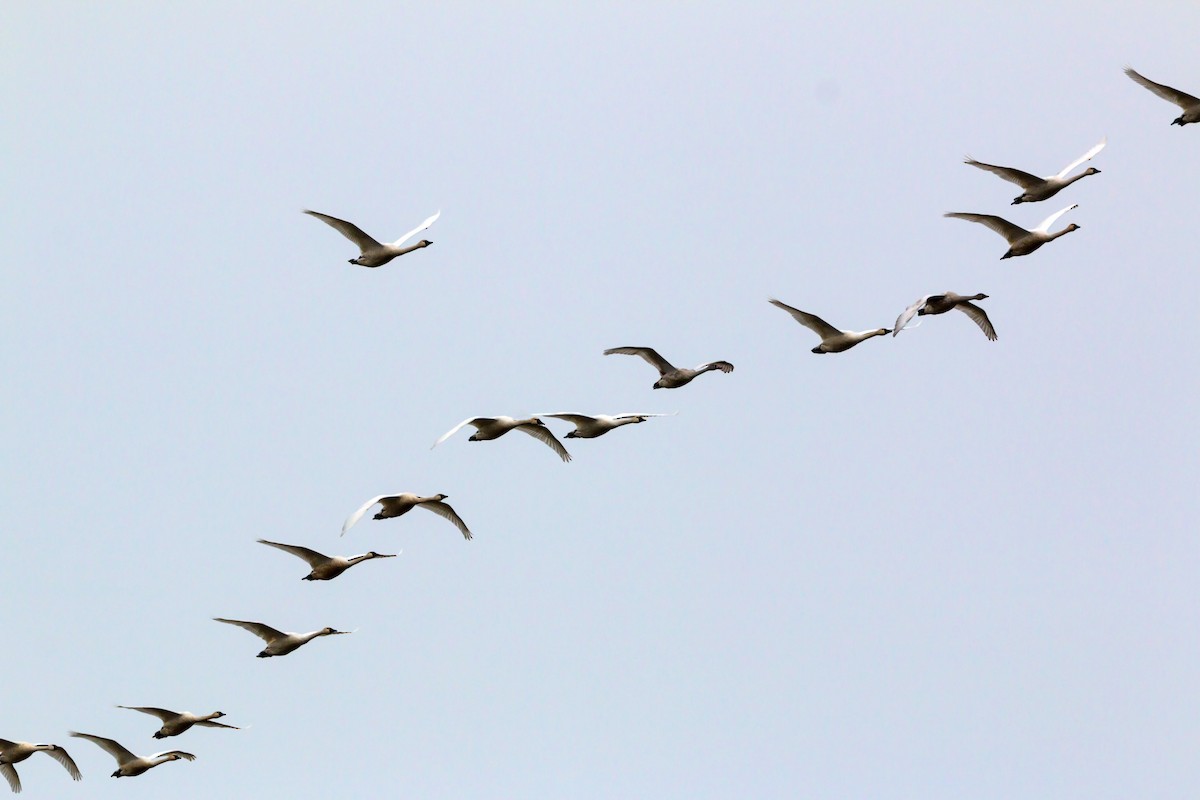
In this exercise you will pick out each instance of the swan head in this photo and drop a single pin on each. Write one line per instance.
(373, 554)
(1071, 227)
(327, 631)
(424, 243)
(1091, 171)
(980, 296)
(440, 497)
(216, 715)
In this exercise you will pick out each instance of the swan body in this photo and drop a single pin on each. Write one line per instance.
(1189, 104)
(669, 376)
(588, 426)
(324, 568)
(16, 752)
(832, 339)
(278, 642)
(375, 254)
(396, 505)
(1020, 241)
(175, 722)
(495, 427)
(1037, 189)
(128, 764)
(941, 303)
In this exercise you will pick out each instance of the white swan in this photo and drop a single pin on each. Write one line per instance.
(16, 752)
(1020, 241)
(1038, 189)
(1189, 104)
(278, 642)
(495, 427)
(941, 303)
(670, 376)
(396, 505)
(832, 339)
(589, 426)
(175, 722)
(128, 764)
(375, 254)
(324, 568)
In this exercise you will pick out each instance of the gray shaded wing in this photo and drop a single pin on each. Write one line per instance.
(311, 556)
(161, 713)
(61, 756)
(648, 353)
(115, 750)
(264, 632)
(179, 753)
(347, 229)
(908, 314)
(1019, 177)
(10, 774)
(458, 427)
(1001, 226)
(356, 516)
(443, 510)
(208, 723)
(980, 318)
(543, 434)
(1181, 99)
(811, 321)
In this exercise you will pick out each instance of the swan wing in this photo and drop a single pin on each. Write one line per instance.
(416, 230)
(264, 632)
(10, 774)
(570, 416)
(350, 520)
(443, 510)
(1048, 221)
(459, 427)
(179, 753)
(208, 723)
(311, 556)
(115, 750)
(347, 229)
(1181, 99)
(648, 353)
(980, 318)
(724, 366)
(161, 713)
(1000, 225)
(811, 321)
(63, 757)
(908, 314)
(1085, 157)
(543, 434)
(1019, 177)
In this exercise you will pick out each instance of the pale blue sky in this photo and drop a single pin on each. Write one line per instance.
(930, 567)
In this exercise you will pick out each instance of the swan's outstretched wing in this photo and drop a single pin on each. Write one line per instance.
(443, 510)
(347, 229)
(10, 774)
(264, 632)
(543, 434)
(357, 515)
(115, 750)
(908, 314)
(162, 713)
(814, 323)
(980, 317)
(179, 753)
(1019, 177)
(208, 723)
(574, 417)
(724, 366)
(625, 415)
(61, 756)
(1181, 99)
(1044, 227)
(311, 556)
(416, 230)
(1009, 231)
(459, 427)
(1085, 157)
(648, 353)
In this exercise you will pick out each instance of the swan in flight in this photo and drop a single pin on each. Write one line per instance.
(396, 505)
(375, 254)
(832, 339)
(16, 752)
(670, 376)
(588, 426)
(1035, 188)
(1020, 241)
(128, 764)
(324, 568)
(941, 303)
(495, 427)
(175, 723)
(1189, 104)
(278, 642)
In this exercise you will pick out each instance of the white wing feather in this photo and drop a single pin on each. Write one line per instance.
(1085, 157)
(357, 515)
(416, 230)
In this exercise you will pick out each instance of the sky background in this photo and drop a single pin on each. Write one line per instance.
(930, 567)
